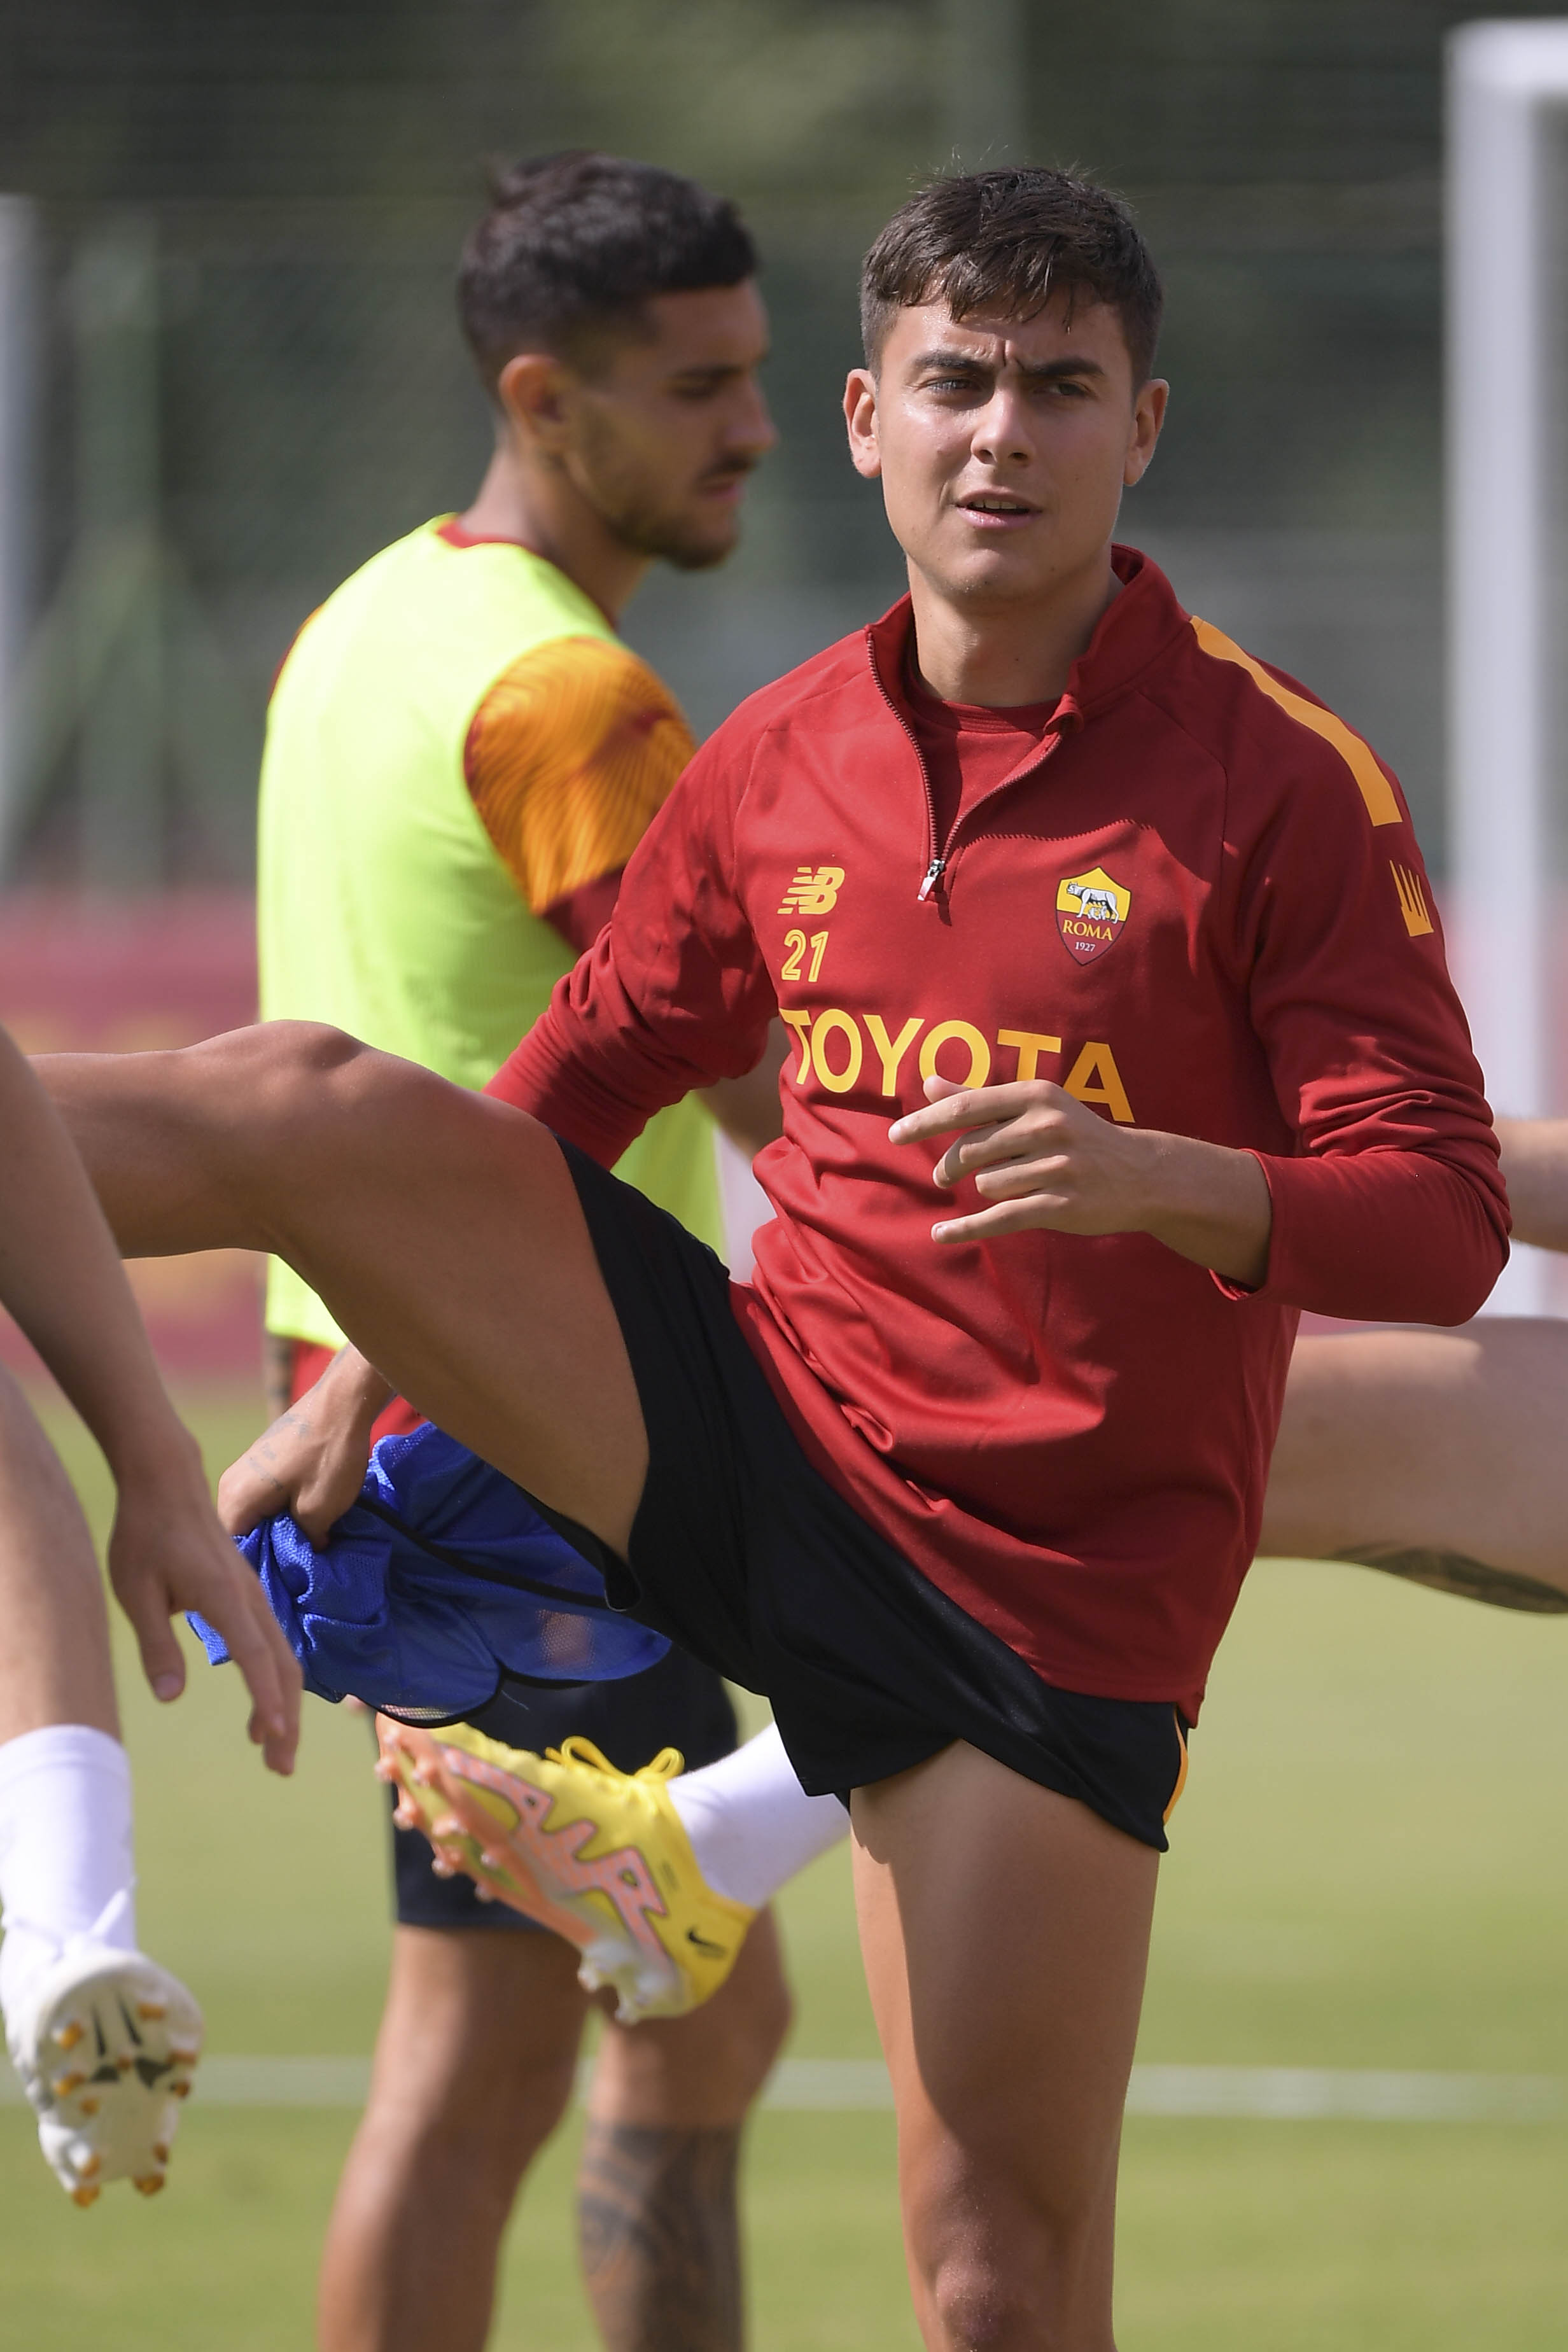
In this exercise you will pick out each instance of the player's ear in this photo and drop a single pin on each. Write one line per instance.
(1148, 417)
(534, 392)
(860, 421)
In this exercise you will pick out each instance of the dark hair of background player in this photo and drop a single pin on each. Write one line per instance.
(1014, 238)
(572, 246)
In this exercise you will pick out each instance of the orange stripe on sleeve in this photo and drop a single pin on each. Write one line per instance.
(1382, 802)
(568, 757)
(1182, 1770)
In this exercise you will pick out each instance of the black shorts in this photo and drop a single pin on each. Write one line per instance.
(749, 1560)
(675, 1704)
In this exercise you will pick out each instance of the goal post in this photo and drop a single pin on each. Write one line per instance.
(1507, 437)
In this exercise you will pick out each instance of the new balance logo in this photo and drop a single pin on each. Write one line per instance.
(1412, 900)
(813, 891)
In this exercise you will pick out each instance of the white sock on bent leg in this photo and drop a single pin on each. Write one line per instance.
(750, 1824)
(65, 1858)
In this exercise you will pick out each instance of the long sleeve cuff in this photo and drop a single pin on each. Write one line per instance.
(568, 1102)
(1380, 1237)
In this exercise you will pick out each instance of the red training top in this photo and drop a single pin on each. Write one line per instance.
(1196, 902)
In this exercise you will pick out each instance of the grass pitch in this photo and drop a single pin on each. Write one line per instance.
(1369, 1869)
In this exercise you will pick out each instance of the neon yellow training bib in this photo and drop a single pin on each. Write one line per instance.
(382, 905)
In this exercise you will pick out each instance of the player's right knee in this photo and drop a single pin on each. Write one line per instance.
(301, 1052)
(292, 1076)
(325, 1072)
(1001, 2242)
(980, 2306)
(270, 1069)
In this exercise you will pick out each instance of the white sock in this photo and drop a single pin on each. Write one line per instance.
(66, 1861)
(750, 1824)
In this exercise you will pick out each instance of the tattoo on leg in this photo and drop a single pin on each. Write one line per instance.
(659, 2236)
(1455, 1571)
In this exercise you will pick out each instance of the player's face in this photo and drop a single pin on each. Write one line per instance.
(1002, 444)
(666, 434)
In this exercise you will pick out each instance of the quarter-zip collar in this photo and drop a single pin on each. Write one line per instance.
(1132, 632)
(1135, 628)
(1064, 720)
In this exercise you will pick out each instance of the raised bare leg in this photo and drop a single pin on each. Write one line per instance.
(1438, 1456)
(1006, 1935)
(441, 1228)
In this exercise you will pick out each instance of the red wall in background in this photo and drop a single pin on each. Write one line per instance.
(119, 975)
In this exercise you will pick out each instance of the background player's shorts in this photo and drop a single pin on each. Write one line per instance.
(749, 1560)
(675, 1704)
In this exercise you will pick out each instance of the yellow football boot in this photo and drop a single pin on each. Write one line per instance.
(600, 1856)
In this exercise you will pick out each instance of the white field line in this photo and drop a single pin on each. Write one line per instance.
(1354, 2094)
(833, 2086)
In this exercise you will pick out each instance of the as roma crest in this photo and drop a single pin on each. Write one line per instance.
(1090, 912)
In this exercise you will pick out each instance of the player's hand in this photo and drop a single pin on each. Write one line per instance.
(1037, 1157)
(167, 1554)
(311, 1463)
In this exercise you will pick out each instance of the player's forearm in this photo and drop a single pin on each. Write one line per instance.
(1039, 1157)
(594, 1070)
(1535, 1170)
(547, 1083)
(61, 1278)
(1210, 1205)
(350, 1392)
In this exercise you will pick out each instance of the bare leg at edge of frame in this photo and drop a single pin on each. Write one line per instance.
(1436, 1456)
(441, 1228)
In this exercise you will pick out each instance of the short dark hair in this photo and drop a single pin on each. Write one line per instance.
(573, 246)
(1014, 236)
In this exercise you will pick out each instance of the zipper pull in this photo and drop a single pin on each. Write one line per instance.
(934, 873)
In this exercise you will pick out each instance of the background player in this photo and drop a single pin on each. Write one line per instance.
(461, 756)
(104, 2040)
(980, 1556)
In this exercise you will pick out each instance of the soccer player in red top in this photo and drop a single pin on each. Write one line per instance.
(1123, 1033)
